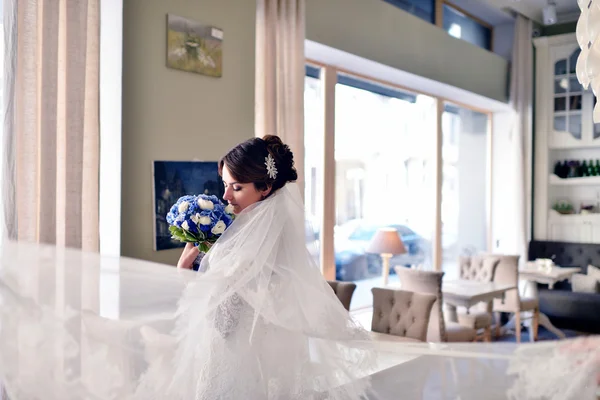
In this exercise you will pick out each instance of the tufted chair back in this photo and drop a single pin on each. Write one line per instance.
(429, 282)
(401, 313)
(507, 272)
(343, 291)
(480, 268)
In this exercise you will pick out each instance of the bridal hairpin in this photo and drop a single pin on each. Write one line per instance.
(271, 168)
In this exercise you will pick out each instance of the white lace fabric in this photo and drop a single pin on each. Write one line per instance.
(259, 323)
(260, 305)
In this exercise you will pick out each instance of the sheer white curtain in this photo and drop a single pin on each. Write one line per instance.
(51, 123)
(280, 33)
(521, 98)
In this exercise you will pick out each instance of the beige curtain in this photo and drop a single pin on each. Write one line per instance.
(280, 74)
(521, 101)
(51, 129)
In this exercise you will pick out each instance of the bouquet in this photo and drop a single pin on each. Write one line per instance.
(200, 220)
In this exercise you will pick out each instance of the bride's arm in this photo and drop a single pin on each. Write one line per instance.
(188, 255)
(229, 311)
(228, 314)
(242, 277)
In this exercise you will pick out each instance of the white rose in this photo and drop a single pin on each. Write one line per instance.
(185, 226)
(218, 228)
(195, 218)
(229, 209)
(204, 221)
(205, 204)
(183, 207)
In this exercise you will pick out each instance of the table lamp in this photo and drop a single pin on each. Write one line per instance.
(386, 243)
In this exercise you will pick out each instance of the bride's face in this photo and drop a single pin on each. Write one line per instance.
(240, 195)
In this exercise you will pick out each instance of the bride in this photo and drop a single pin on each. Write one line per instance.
(258, 322)
(261, 322)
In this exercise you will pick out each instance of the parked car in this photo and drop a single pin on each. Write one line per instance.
(352, 262)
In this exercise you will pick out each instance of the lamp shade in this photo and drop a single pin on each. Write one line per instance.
(386, 241)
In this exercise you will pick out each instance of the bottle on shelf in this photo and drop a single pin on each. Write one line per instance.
(577, 169)
(561, 169)
(564, 171)
(574, 169)
(591, 171)
(583, 170)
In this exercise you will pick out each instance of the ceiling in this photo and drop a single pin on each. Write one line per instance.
(566, 10)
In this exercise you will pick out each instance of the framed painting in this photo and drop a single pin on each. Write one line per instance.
(173, 179)
(194, 47)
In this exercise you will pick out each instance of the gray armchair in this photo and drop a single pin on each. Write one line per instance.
(508, 273)
(343, 291)
(401, 313)
(430, 282)
(480, 268)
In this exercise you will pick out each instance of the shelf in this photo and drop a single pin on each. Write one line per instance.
(589, 217)
(565, 94)
(564, 113)
(584, 180)
(576, 144)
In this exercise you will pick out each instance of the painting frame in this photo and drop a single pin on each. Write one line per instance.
(194, 47)
(170, 181)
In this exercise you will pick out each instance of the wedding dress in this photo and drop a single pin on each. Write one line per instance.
(261, 316)
(258, 322)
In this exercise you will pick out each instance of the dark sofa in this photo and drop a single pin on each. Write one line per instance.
(565, 308)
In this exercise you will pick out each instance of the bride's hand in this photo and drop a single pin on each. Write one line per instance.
(186, 260)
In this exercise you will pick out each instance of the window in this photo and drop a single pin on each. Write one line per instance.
(386, 154)
(423, 9)
(384, 177)
(456, 22)
(464, 185)
(313, 158)
(463, 26)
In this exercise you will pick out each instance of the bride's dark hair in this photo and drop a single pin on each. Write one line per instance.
(246, 163)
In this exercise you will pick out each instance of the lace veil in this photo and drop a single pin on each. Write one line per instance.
(259, 322)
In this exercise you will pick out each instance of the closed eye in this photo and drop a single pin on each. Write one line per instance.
(235, 188)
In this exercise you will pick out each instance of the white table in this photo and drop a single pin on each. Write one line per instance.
(532, 276)
(550, 277)
(465, 293)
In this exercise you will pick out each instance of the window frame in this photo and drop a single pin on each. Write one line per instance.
(437, 16)
(400, 4)
(330, 75)
(439, 19)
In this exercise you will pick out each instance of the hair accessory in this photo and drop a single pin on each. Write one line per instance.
(271, 168)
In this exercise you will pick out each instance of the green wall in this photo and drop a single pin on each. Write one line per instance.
(378, 31)
(175, 115)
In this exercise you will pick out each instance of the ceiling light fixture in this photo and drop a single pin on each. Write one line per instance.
(549, 13)
(588, 62)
